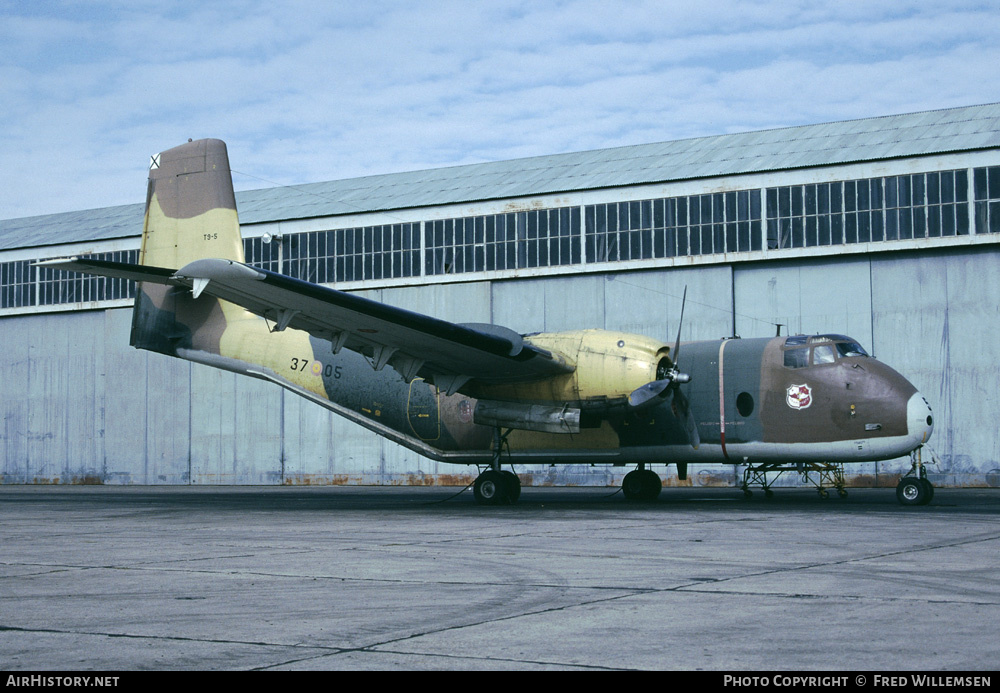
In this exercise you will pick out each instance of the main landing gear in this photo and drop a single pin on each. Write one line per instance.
(642, 485)
(914, 488)
(497, 486)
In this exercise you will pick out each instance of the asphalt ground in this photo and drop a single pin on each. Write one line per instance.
(316, 578)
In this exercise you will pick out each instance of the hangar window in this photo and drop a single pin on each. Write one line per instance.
(57, 286)
(673, 227)
(921, 205)
(515, 240)
(17, 285)
(340, 255)
(987, 199)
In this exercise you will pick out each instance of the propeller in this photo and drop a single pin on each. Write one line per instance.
(655, 392)
(661, 387)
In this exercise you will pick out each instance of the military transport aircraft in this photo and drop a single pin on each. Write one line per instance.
(484, 395)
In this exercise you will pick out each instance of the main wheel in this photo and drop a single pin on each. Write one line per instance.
(492, 488)
(641, 485)
(514, 485)
(653, 485)
(912, 491)
(632, 486)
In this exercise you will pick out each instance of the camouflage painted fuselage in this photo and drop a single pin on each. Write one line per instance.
(747, 398)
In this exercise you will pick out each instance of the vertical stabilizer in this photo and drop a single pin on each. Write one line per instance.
(190, 215)
(190, 207)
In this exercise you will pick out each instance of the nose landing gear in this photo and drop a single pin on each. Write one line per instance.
(914, 488)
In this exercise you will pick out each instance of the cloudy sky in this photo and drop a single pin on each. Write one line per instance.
(312, 91)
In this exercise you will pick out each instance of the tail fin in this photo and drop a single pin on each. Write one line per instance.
(190, 215)
(190, 207)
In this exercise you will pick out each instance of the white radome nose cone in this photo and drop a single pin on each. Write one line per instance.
(919, 420)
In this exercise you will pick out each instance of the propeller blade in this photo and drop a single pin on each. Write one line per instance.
(690, 426)
(680, 323)
(649, 393)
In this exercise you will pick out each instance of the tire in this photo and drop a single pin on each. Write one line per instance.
(632, 486)
(929, 487)
(641, 485)
(492, 488)
(513, 486)
(912, 491)
(654, 485)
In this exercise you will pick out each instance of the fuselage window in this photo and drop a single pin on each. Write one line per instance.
(744, 404)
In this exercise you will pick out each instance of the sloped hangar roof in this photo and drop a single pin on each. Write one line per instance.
(914, 134)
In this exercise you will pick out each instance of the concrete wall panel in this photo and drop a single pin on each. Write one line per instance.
(807, 297)
(168, 421)
(14, 370)
(936, 319)
(649, 303)
(126, 429)
(519, 305)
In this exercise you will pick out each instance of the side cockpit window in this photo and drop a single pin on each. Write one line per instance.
(851, 349)
(797, 358)
(801, 351)
(823, 354)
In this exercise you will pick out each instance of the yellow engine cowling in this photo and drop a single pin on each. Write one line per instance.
(609, 366)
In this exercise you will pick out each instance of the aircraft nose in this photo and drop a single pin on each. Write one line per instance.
(919, 419)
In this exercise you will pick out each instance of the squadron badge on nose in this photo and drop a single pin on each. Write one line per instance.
(798, 396)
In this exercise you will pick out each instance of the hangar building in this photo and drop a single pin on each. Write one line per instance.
(885, 229)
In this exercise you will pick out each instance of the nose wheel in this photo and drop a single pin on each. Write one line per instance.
(914, 491)
(914, 488)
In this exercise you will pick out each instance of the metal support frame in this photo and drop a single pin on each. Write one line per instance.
(822, 475)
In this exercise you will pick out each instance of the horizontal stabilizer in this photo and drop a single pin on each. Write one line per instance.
(106, 268)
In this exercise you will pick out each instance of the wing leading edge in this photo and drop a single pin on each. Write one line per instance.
(447, 354)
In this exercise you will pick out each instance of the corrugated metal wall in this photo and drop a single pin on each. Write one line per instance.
(81, 406)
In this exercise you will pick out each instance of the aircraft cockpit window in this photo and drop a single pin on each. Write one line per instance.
(823, 354)
(851, 349)
(797, 358)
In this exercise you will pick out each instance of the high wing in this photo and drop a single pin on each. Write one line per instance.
(447, 354)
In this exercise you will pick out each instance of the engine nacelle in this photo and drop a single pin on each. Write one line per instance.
(609, 366)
